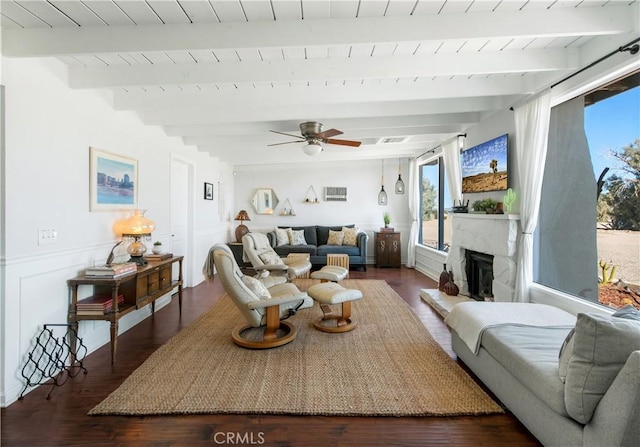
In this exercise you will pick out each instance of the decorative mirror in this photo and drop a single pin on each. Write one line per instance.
(264, 201)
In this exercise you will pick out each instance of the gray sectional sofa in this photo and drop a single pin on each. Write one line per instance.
(570, 385)
(316, 246)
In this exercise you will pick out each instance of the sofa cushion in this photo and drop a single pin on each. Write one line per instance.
(296, 237)
(270, 258)
(323, 233)
(601, 347)
(565, 355)
(335, 237)
(257, 287)
(531, 354)
(282, 236)
(324, 250)
(350, 236)
(566, 351)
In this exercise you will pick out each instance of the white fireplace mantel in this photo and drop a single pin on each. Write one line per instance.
(493, 234)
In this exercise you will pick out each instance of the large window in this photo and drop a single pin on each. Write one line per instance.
(588, 235)
(435, 228)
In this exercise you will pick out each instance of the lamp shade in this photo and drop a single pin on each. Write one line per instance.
(312, 148)
(136, 228)
(136, 225)
(241, 229)
(242, 215)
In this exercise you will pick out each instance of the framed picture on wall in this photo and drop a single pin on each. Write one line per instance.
(208, 191)
(113, 181)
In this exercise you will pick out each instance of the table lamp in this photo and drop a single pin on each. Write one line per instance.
(136, 229)
(241, 229)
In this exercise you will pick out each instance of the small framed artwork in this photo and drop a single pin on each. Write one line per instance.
(113, 181)
(208, 191)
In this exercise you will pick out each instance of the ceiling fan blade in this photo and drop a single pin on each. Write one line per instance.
(286, 142)
(288, 134)
(329, 133)
(343, 142)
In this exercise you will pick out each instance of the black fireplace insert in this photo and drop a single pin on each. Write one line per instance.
(479, 275)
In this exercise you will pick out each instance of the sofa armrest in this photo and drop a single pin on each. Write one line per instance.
(272, 238)
(616, 420)
(362, 244)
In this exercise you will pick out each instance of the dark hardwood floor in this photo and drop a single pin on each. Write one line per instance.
(63, 420)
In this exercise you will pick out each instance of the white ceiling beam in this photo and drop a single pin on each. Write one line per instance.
(251, 112)
(359, 135)
(344, 124)
(586, 21)
(386, 67)
(329, 94)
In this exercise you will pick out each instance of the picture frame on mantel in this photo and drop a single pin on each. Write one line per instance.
(208, 191)
(113, 181)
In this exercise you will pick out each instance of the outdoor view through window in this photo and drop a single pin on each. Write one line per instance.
(612, 126)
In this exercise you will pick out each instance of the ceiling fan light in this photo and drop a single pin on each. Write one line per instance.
(312, 148)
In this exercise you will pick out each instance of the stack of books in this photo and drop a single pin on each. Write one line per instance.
(97, 305)
(112, 270)
(158, 257)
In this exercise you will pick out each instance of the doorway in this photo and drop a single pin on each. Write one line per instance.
(182, 215)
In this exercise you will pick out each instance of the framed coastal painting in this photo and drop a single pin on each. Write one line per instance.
(113, 181)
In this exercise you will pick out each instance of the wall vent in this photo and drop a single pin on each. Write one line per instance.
(387, 140)
(335, 194)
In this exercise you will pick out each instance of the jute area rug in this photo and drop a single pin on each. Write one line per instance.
(388, 366)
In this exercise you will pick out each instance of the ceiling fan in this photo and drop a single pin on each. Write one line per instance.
(313, 134)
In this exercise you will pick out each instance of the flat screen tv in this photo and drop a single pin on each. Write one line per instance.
(484, 167)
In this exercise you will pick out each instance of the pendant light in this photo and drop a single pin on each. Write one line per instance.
(382, 195)
(399, 182)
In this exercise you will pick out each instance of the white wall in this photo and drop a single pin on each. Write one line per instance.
(49, 129)
(361, 178)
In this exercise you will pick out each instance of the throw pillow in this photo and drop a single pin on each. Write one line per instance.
(270, 258)
(296, 237)
(565, 355)
(629, 312)
(335, 237)
(256, 287)
(350, 236)
(601, 346)
(282, 236)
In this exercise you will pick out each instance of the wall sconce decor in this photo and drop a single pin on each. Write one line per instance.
(382, 195)
(241, 229)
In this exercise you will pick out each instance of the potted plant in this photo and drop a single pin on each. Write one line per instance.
(486, 205)
(387, 219)
(157, 247)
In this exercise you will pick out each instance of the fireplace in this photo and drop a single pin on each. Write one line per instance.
(495, 235)
(479, 275)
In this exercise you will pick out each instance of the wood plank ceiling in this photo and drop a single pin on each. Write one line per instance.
(401, 76)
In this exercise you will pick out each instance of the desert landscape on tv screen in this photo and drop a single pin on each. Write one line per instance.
(484, 167)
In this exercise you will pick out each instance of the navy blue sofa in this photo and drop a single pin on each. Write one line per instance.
(316, 237)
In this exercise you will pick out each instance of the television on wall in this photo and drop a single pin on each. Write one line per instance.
(484, 167)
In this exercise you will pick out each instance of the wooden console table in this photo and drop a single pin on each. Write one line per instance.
(138, 289)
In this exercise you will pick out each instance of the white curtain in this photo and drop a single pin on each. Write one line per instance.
(451, 155)
(414, 209)
(532, 133)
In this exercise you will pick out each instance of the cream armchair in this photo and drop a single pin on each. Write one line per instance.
(259, 252)
(260, 306)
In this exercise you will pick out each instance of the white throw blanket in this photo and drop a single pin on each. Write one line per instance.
(470, 320)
